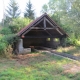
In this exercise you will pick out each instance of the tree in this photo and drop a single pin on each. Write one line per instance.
(29, 13)
(12, 10)
(67, 14)
(74, 15)
(45, 9)
(17, 24)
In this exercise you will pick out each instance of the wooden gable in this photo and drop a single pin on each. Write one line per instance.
(42, 27)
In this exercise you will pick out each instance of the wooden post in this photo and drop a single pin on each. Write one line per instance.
(44, 23)
(51, 43)
(62, 42)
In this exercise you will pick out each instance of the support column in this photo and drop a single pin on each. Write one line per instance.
(20, 46)
(51, 43)
(62, 42)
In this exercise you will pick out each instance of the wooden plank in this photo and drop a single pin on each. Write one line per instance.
(59, 31)
(27, 31)
(38, 22)
(41, 28)
(50, 23)
(55, 36)
(44, 23)
(48, 32)
(32, 27)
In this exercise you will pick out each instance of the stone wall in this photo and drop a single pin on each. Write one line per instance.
(21, 49)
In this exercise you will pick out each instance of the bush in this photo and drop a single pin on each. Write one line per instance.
(6, 31)
(77, 42)
(10, 39)
(6, 43)
(8, 51)
(18, 23)
(74, 42)
(3, 45)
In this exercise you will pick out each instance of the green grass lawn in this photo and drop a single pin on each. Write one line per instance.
(38, 66)
(75, 51)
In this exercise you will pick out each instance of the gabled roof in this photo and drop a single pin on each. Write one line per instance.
(43, 18)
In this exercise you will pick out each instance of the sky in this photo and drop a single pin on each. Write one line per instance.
(37, 6)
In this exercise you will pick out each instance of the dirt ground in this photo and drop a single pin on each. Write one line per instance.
(26, 59)
(72, 68)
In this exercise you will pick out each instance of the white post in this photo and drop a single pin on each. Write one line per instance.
(20, 46)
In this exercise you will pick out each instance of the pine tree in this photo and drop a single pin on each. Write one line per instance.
(29, 11)
(12, 10)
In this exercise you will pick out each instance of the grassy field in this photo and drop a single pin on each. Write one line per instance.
(39, 66)
(75, 51)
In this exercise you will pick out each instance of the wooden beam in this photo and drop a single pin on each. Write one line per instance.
(37, 30)
(55, 36)
(32, 27)
(38, 22)
(44, 23)
(41, 28)
(59, 31)
(50, 23)
(48, 32)
(27, 30)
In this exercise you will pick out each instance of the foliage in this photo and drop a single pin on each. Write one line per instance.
(72, 50)
(38, 67)
(2, 47)
(76, 42)
(8, 52)
(75, 17)
(18, 23)
(6, 31)
(66, 13)
(8, 36)
(45, 9)
(10, 39)
(29, 12)
(6, 42)
(12, 24)
(13, 9)
(3, 44)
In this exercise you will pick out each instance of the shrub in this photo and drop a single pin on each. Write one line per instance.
(77, 42)
(6, 42)
(18, 23)
(8, 51)
(3, 45)
(6, 31)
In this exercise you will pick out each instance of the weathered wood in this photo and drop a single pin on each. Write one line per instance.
(48, 32)
(59, 31)
(38, 22)
(44, 23)
(42, 28)
(27, 31)
(50, 22)
(32, 27)
(55, 36)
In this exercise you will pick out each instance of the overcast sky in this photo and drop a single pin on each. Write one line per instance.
(37, 5)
